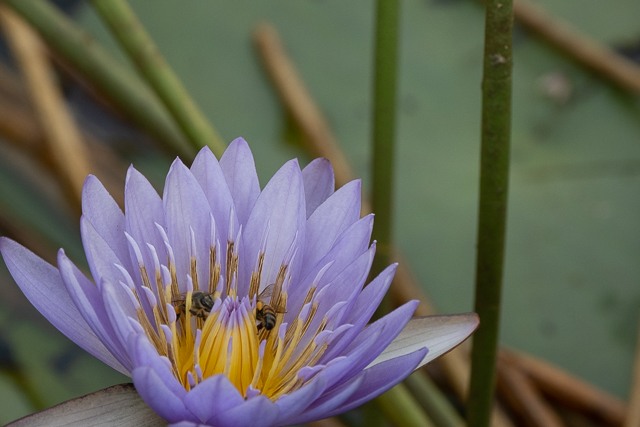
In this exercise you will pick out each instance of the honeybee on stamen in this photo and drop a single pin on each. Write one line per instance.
(265, 313)
(201, 304)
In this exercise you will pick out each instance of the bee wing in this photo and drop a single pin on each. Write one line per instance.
(266, 292)
(181, 297)
(280, 309)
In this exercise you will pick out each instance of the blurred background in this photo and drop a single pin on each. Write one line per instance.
(572, 281)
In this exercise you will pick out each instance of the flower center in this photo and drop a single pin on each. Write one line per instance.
(211, 330)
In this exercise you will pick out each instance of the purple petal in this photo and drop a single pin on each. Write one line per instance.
(344, 288)
(293, 404)
(145, 355)
(186, 208)
(379, 379)
(328, 402)
(255, 412)
(42, 285)
(143, 208)
(187, 424)
(212, 396)
(99, 208)
(113, 304)
(371, 296)
(319, 183)
(156, 394)
(350, 246)
(386, 328)
(330, 220)
(438, 333)
(100, 254)
(240, 172)
(339, 370)
(366, 304)
(208, 173)
(88, 301)
(280, 208)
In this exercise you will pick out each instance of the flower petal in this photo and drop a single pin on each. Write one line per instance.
(156, 394)
(366, 346)
(337, 370)
(186, 208)
(42, 285)
(106, 217)
(350, 246)
(328, 402)
(208, 173)
(280, 209)
(117, 308)
(366, 304)
(100, 255)
(344, 288)
(187, 424)
(296, 402)
(212, 396)
(330, 220)
(258, 411)
(438, 333)
(370, 297)
(388, 327)
(240, 172)
(143, 209)
(88, 301)
(119, 405)
(319, 183)
(381, 378)
(144, 354)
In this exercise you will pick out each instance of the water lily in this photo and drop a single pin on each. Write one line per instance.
(232, 306)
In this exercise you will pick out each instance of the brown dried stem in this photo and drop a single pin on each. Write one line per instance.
(296, 98)
(20, 127)
(523, 396)
(592, 54)
(64, 141)
(568, 389)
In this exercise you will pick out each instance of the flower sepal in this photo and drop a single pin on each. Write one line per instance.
(119, 405)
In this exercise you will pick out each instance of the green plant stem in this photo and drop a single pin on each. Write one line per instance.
(135, 40)
(118, 84)
(26, 386)
(494, 179)
(384, 118)
(431, 399)
(372, 415)
(401, 409)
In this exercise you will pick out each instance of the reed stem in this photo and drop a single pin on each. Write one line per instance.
(384, 118)
(139, 45)
(494, 179)
(401, 409)
(118, 84)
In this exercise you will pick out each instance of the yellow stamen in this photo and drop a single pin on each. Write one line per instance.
(225, 339)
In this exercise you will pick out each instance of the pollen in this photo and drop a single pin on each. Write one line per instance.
(211, 330)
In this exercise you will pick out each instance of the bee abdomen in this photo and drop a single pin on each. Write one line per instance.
(199, 312)
(269, 318)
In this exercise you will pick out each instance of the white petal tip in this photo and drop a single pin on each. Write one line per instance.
(439, 334)
(119, 404)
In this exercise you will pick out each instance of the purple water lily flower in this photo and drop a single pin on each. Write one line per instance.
(232, 306)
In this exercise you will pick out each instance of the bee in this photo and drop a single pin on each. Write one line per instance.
(201, 304)
(266, 314)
